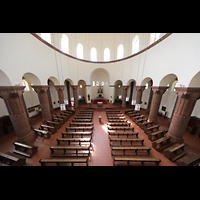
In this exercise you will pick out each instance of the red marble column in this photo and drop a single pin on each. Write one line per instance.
(125, 88)
(158, 91)
(187, 98)
(140, 90)
(75, 87)
(60, 89)
(13, 98)
(50, 100)
(44, 101)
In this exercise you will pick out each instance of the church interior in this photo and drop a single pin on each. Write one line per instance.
(99, 99)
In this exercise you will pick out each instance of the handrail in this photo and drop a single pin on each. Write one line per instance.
(103, 62)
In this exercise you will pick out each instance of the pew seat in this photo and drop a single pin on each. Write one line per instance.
(111, 133)
(119, 123)
(131, 148)
(156, 134)
(140, 159)
(69, 140)
(76, 133)
(47, 134)
(131, 140)
(151, 128)
(163, 142)
(80, 124)
(79, 128)
(64, 160)
(51, 129)
(120, 128)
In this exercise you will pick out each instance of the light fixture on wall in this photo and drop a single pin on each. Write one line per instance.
(81, 86)
(119, 86)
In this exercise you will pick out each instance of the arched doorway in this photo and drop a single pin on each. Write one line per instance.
(81, 92)
(100, 81)
(118, 93)
(68, 92)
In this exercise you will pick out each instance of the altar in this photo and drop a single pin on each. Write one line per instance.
(99, 104)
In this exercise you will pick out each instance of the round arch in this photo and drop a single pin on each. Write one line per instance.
(34, 80)
(4, 80)
(70, 81)
(168, 79)
(195, 81)
(54, 80)
(145, 81)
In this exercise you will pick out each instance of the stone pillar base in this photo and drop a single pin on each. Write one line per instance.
(28, 138)
(175, 140)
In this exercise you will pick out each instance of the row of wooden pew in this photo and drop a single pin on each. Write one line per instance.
(126, 149)
(161, 142)
(82, 126)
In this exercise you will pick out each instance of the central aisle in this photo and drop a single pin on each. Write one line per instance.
(101, 152)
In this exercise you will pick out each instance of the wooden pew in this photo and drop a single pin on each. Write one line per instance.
(81, 120)
(42, 133)
(12, 159)
(76, 133)
(134, 115)
(140, 121)
(114, 133)
(65, 118)
(80, 124)
(137, 117)
(140, 159)
(64, 160)
(127, 111)
(86, 111)
(54, 124)
(69, 140)
(156, 134)
(173, 152)
(131, 148)
(120, 128)
(119, 124)
(113, 111)
(58, 120)
(117, 120)
(116, 117)
(83, 117)
(189, 160)
(131, 140)
(146, 124)
(150, 129)
(70, 148)
(26, 147)
(79, 128)
(164, 142)
(51, 129)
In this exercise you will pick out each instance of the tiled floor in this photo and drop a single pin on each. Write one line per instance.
(100, 150)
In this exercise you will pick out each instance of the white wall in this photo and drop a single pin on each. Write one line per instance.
(177, 54)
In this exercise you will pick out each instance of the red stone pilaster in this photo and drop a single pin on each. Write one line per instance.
(140, 90)
(158, 91)
(60, 89)
(187, 98)
(75, 87)
(125, 88)
(50, 100)
(13, 99)
(44, 101)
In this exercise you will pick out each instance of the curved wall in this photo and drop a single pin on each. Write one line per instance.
(178, 54)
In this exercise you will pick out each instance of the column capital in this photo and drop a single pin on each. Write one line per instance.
(7, 92)
(188, 92)
(74, 87)
(40, 88)
(159, 89)
(140, 88)
(125, 87)
(59, 87)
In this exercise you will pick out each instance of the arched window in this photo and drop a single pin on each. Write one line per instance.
(46, 37)
(120, 51)
(65, 43)
(135, 44)
(79, 51)
(93, 54)
(106, 54)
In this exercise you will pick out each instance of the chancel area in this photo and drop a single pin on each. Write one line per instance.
(99, 99)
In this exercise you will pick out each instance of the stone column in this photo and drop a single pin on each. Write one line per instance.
(125, 88)
(68, 93)
(60, 89)
(88, 92)
(158, 91)
(75, 87)
(187, 97)
(13, 99)
(50, 100)
(140, 90)
(44, 101)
